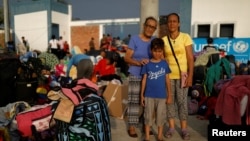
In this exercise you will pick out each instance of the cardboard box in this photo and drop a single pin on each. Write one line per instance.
(117, 98)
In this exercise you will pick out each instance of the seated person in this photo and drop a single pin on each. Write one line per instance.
(60, 69)
(105, 66)
(43, 85)
(67, 57)
(101, 56)
(24, 55)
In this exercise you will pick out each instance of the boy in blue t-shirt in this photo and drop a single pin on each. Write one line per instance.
(155, 89)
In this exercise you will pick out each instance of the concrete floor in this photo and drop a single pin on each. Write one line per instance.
(197, 129)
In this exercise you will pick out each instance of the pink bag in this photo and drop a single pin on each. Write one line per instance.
(38, 115)
(184, 76)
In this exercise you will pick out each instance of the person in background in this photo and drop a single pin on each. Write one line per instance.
(207, 48)
(126, 40)
(25, 43)
(182, 46)
(136, 56)
(155, 89)
(61, 47)
(24, 55)
(11, 46)
(74, 60)
(66, 47)
(43, 85)
(67, 57)
(60, 69)
(53, 45)
(100, 56)
(210, 44)
(103, 42)
(92, 43)
(106, 66)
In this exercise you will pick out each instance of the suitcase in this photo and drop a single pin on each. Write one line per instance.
(26, 91)
(8, 71)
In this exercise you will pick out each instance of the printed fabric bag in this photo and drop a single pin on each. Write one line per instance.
(38, 116)
(90, 119)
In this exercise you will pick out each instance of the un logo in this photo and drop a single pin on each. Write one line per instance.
(240, 47)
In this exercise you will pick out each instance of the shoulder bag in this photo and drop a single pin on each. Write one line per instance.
(183, 74)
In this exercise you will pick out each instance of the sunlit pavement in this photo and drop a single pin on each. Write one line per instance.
(197, 129)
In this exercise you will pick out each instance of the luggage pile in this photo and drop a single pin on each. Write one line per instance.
(74, 112)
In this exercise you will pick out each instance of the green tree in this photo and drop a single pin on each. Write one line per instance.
(1, 16)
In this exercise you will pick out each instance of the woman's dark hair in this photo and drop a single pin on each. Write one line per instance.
(149, 18)
(157, 43)
(175, 14)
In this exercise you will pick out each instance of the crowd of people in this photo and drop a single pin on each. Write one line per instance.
(149, 62)
(160, 72)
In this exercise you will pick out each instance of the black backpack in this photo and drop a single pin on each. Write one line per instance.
(212, 59)
(199, 74)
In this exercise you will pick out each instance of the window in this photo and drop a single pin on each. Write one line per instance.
(203, 30)
(226, 30)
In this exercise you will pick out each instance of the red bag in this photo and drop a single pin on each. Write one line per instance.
(38, 115)
(1, 136)
(193, 107)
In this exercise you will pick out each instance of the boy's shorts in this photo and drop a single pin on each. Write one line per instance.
(155, 110)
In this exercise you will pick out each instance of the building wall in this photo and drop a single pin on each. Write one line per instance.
(35, 28)
(185, 15)
(32, 29)
(81, 35)
(35, 25)
(222, 11)
(33, 19)
(63, 21)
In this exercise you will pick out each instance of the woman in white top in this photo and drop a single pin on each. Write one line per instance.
(53, 45)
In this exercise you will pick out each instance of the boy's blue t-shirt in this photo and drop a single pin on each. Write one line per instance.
(156, 79)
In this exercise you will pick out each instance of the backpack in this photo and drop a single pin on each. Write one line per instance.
(199, 74)
(213, 58)
(90, 119)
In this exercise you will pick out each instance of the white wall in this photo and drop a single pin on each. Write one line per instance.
(62, 20)
(222, 11)
(34, 28)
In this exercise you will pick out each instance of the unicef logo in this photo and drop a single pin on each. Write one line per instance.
(240, 47)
